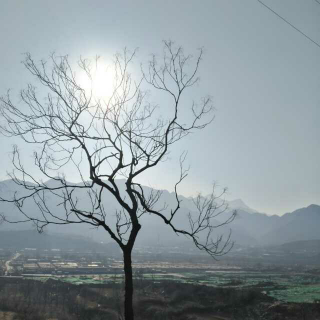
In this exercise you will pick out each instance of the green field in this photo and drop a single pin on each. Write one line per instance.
(292, 287)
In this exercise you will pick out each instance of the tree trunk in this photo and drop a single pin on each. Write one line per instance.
(128, 294)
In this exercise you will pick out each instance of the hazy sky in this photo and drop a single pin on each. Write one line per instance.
(264, 76)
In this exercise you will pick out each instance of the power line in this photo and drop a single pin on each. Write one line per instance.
(286, 21)
(317, 1)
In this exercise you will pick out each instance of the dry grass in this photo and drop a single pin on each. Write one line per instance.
(7, 315)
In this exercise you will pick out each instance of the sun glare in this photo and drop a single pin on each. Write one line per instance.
(101, 84)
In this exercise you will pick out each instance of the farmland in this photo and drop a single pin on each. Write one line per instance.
(69, 284)
(299, 284)
(287, 287)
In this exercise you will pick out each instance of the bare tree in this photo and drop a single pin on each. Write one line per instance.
(104, 139)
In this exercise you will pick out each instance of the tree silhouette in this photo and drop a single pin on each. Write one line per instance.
(104, 139)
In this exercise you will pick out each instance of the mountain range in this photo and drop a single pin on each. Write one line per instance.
(250, 228)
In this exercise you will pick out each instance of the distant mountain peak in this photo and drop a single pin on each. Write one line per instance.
(313, 206)
(250, 227)
(239, 204)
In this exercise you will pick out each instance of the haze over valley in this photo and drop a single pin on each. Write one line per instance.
(249, 228)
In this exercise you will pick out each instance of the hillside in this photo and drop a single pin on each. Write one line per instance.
(32, 239)
(250, 228)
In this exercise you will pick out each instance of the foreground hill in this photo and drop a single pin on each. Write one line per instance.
(26, 299)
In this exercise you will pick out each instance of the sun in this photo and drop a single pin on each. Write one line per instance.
(101, 82)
